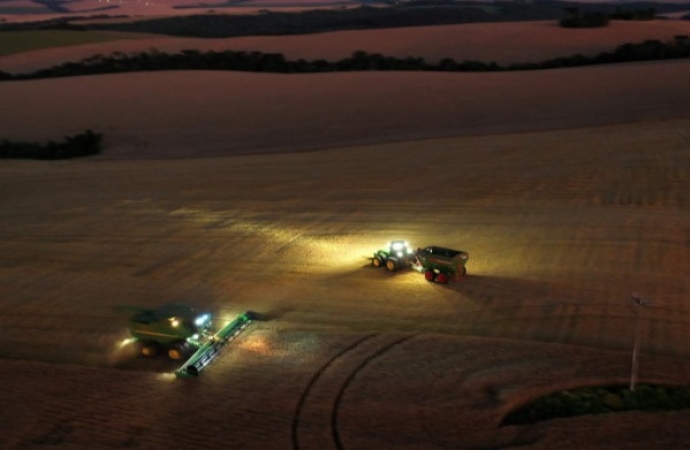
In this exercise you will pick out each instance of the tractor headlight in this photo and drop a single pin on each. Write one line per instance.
(397, 246)
(400, 247)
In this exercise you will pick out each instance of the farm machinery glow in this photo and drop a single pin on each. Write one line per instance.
(179, 331)
(438, 264)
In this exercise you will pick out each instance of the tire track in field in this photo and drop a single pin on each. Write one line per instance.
(315, 421)
(341, 393)
(303, 398)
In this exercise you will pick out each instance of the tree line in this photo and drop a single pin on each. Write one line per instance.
(215, 24)
(87, 143)
(154, 60)
(273, 23)
(594, 19)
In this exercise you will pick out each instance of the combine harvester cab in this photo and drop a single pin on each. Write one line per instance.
(438, 264)
(172, 329)
(180, 331)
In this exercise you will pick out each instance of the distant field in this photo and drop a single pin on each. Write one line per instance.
(23, 41)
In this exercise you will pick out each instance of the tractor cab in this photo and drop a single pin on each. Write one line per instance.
(400, 249)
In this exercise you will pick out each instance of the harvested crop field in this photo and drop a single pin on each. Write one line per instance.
(568, 188)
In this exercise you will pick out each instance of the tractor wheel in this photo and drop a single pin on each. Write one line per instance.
(429, 275)
(462, 271)
(392, 264)
(376, 261)
(442, 278)
(177, 352)
(148, 349)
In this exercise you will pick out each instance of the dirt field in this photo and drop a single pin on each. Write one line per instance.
(568, 188)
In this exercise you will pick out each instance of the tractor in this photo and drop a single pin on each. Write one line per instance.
(395, 257)
(438, 264)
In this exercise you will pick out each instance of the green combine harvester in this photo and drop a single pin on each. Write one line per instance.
(438, 264)
(179, 331)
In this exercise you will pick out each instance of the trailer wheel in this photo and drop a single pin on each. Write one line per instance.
(442, 278)
(376, 261)
(429, 275)
(392, 264)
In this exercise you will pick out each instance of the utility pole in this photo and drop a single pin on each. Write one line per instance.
(637, 303)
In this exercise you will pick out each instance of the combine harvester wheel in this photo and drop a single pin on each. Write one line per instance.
(178, 352)
(148, 350)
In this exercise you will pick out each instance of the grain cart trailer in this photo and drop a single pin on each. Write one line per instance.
(441, 264)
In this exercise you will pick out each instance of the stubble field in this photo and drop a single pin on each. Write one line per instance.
(570, 193)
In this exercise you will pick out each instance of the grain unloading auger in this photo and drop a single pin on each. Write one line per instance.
(179, 330)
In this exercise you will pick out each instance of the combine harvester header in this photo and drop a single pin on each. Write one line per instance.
(212, 347)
